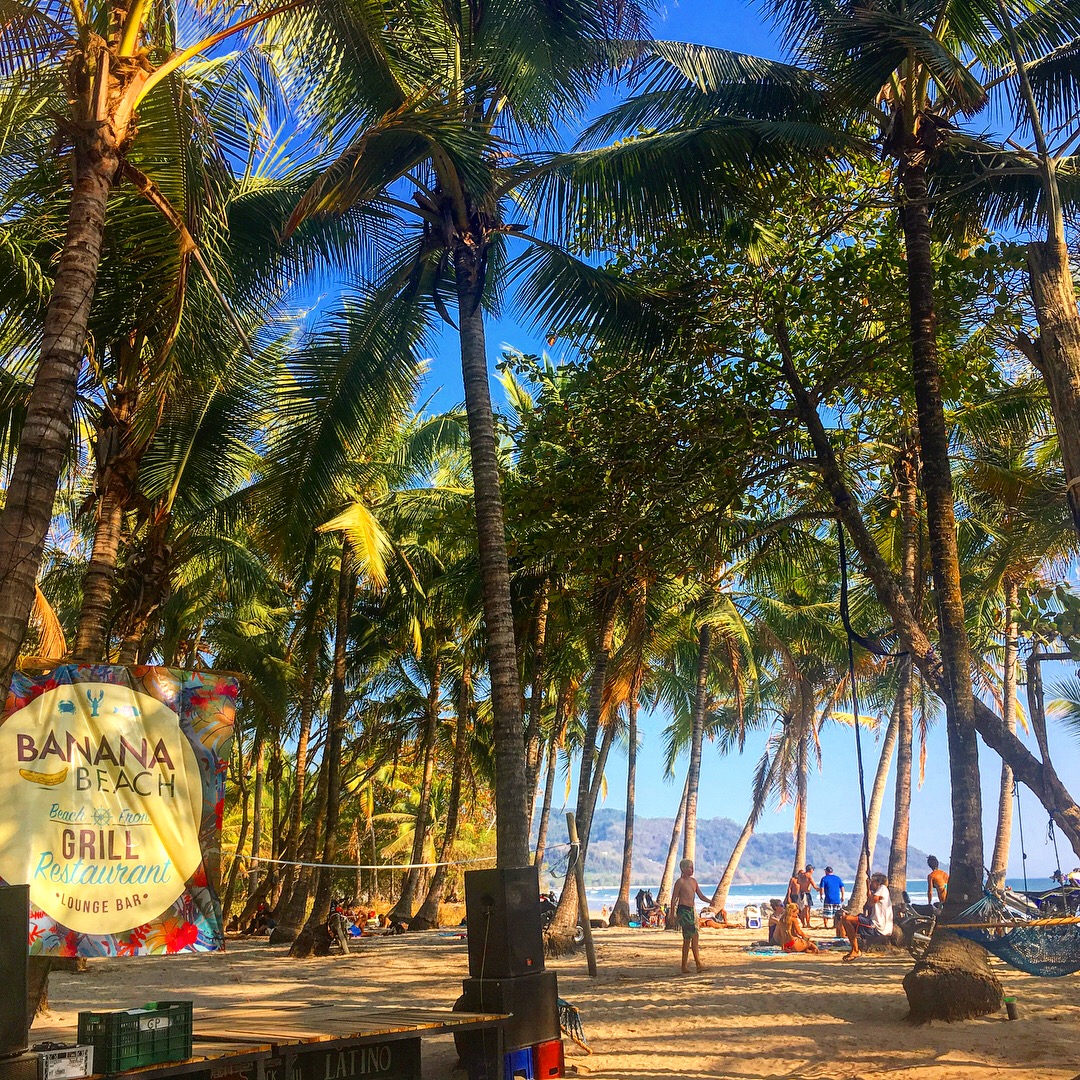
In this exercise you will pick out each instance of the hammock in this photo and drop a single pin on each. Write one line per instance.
(1047, 948)
(570, 1023)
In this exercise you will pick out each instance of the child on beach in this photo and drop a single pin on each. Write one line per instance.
(682, 899)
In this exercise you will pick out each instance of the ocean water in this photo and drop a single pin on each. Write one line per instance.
(601, 897)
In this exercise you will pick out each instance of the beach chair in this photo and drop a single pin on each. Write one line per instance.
(752, 917)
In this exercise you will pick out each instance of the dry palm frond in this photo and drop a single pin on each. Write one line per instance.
(52, 645)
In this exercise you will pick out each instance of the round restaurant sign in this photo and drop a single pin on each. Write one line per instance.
(103, 799)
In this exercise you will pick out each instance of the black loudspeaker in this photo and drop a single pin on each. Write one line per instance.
(23, 1067)
(502, 911)
(532, 1001)
(14, 968)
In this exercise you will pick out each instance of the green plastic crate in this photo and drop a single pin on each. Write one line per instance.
(159, 1031)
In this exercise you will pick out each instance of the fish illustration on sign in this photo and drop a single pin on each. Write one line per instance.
(126, 710)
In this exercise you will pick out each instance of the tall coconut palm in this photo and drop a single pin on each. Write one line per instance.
(1018, 537)
(448, 113)
(99, 61)
(1045, 87)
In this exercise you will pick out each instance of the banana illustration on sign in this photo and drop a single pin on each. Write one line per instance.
(48, 779)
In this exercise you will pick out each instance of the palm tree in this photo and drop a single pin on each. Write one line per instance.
(762, 788)
(1017, 536)
(98, 62)
(450, 105)
(427, 917)
(1049, 81)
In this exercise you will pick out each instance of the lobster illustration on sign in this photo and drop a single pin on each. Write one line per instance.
(95, 701)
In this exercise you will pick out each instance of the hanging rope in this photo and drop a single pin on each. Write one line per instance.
(845, 617)
(1052, 835)
(1020, 823)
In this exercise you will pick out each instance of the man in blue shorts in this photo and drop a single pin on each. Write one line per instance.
(831, 889)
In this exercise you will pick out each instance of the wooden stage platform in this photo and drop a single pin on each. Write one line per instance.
(320, 1041)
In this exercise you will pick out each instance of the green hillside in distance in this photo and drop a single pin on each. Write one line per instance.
(767, 859)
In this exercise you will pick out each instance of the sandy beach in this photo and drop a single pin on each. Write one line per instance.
(745, 1017)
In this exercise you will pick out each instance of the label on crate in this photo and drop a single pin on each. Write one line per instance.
(110, 786)
(154, 1023)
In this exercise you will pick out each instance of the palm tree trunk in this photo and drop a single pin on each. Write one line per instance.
(256, 818)
(727, 879)
(335, 735)
(606, 744)
(567, 912)
(607, 604)
(234, 870)
(102, 102)
(697, 738)
(970, 991)
(296, 819)
(606, 607)
(112, 476)
(905, 701)
(402, 910)
(292, 910)
(356, 853)
(427, 918)
(1057, 352)
(999, 863)
(552, 765)
(148, 577)
(911, 578)
(620, 912)
(275, 802)
(873, 811)
(275, 818)
(511, 794)
(534, 744)
(667, 877)
(802, 778)
(966, 856)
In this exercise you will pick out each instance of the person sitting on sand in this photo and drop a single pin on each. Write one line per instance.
(682, 899)
(874, 923)
(937, 880)
(716, 920)
(652, 913)
(776, 910)
(790, 934)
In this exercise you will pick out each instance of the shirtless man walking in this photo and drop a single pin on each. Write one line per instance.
(682, 900)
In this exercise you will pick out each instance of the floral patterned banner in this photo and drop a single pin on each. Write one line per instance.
(112, 782)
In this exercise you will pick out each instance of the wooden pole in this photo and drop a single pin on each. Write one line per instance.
(583, 902)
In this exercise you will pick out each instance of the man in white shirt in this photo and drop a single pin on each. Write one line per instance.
(875, 923)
